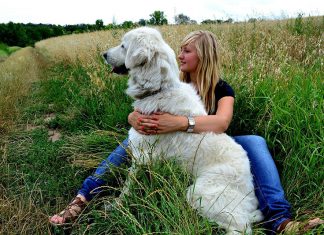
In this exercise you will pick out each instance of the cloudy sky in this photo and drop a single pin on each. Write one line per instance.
(88, 11)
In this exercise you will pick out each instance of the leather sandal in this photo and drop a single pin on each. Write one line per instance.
(294, 227)
(71, 212)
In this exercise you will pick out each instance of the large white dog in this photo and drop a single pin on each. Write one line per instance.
(223, 189)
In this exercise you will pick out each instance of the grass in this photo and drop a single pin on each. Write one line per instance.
(5, 51)
(275, 67)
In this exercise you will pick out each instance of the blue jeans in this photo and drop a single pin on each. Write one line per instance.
(267, 184)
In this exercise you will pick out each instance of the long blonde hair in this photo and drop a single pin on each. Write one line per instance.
(208, 70)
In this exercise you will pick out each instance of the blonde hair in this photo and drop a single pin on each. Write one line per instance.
(208, 71)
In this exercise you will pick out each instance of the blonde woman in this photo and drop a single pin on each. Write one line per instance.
(199, 65)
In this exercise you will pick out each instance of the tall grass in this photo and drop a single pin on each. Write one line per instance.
(17, 73)
(275, 67)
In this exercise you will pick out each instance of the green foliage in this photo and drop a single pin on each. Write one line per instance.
(99, 24)
(305, 26)
(157, 204)
(298, 28)
(4, 48)
(32, 175)
(84, 98)
(19, 34)
(142, 22)
(128, 25)
(158, 18)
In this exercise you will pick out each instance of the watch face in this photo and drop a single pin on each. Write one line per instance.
(191, 124)
(191, 121)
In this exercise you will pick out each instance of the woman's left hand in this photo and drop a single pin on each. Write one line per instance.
(165, 123)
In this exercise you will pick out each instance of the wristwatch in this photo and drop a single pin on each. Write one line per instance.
(191, 124)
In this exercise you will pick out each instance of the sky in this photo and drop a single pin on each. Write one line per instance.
(63, 12)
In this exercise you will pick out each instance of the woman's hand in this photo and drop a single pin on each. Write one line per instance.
(157, 123)
(167, 122)
(144, 124)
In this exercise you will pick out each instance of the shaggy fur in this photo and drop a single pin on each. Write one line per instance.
(223, 190)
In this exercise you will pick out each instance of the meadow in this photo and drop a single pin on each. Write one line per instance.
(62, 88)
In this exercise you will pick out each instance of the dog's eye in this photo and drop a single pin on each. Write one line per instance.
(122, 46)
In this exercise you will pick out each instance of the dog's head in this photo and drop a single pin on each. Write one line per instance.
(150, 62)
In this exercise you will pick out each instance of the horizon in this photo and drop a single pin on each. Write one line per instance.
(283, 17)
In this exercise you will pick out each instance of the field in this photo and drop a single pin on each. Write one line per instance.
(62, 111)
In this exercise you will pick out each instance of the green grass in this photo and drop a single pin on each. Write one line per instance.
(79, 101)
(5, 51)
(277, 73)
(156, 205)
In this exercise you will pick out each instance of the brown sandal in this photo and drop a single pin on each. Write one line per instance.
(293, 227)
(71, 212)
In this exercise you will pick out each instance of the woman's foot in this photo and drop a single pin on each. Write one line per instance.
(71, 212)
(294, 227)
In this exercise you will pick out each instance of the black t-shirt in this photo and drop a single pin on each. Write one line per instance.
(222, 89)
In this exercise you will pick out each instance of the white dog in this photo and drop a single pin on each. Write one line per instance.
(223, 190)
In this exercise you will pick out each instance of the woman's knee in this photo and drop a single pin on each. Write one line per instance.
(250, 140)
(257, 139)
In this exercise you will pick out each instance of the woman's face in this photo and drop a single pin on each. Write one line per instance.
(188, 58)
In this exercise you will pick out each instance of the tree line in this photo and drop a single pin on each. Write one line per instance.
(20, 34)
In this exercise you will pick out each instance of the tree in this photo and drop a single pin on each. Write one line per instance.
(208, 21)
(99, 24)
(182, 19)
(252, 20)
(142, 22)
(158, 18)
(229, 20)
(127, 25)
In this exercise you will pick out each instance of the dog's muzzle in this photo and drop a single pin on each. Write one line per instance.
(116, 69)
(120, 69)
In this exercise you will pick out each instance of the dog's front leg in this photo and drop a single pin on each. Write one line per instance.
(125, 191)
(128, 182)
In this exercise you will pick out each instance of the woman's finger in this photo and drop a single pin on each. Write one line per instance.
(148, 122)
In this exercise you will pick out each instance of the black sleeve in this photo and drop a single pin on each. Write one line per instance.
(223, 89)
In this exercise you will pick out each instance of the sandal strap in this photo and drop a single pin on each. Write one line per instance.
(73, 210)
(283, 225)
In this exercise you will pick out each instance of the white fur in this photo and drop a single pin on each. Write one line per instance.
(223, 190)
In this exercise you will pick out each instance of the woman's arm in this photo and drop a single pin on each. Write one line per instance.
(219, 122)
(159, 123)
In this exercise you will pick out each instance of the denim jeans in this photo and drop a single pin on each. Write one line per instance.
(267, 183)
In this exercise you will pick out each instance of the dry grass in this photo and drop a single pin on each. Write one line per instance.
(79, 47)
(17, 73)
(269, 42)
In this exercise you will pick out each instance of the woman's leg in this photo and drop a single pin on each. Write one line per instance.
(92, 184)
(268, 189)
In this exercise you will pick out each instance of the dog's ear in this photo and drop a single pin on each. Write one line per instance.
(137, 55)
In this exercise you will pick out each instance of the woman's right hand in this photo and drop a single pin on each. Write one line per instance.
(144, 124)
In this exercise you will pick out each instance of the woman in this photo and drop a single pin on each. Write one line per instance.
(199, 65)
